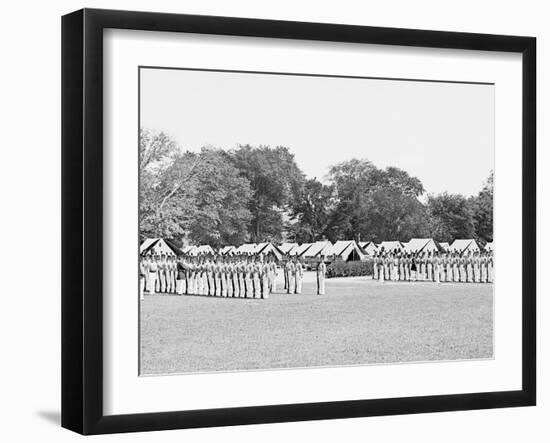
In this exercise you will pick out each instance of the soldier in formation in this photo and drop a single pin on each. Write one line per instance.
(241, 276)
(452, 266)
(209, 275)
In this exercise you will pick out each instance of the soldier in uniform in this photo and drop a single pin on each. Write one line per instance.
(223, 277)
(477, 273)
(142, 274)
(193, 276)
(166, 269)
(231, 289)
(210, 276)
(236, 275)
(168, 273)
(153, 274)
(395, 267)
(285, 273)
(265, 276)
(490, 268)
(389, 266)
(273, 266)
(454, 260)
(229, 277)
(484, 265)
(185, 265)
(381, 267)
(216, 276)
(174, 273)
(249, 271)
(195, 270)
(421, 266)
(430, 266)
(162, 274)
(375, 266)
(401, 266)
(462, 269)
(242, 277)
(414, 267)
(203, 277)
(180, 276)
(449, 267)
(299, 273)
(321, 272)
(290, 270)
(407, 266)
(256, 277)
(437, 267)
(470, 268)
(146, 264)
(170, 281)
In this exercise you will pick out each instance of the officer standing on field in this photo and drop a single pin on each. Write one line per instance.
(299, 273)
(321, 272)
(142, 273)
(290, 270)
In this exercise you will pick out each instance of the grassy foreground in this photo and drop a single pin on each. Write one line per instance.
(358, 321)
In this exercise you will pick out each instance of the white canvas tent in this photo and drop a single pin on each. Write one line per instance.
(369, 247)
(444, 246)
(156, 246)
(465, 245)
(345, 250)
(421, 245)
(198, 250)
(289, 248)
(317, 249)
(246, 249)
(269, 248)
(228, 250)
(391, 246)
(302, 248)
(489, 246)
(187, 249)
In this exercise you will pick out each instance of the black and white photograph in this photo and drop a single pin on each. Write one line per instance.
(292, 220)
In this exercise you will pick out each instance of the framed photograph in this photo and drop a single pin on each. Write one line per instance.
(269, 221)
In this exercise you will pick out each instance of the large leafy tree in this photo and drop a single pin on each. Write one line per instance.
(222, 216)
(482, 210)
(375, 204)
(311, 212)
(160, 185)
(230, 197)
(201, 196)
(450, 217)
(275, 180)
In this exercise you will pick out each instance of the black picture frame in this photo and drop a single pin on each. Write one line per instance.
(82, 220)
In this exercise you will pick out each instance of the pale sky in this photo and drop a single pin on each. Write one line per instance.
(442, 133)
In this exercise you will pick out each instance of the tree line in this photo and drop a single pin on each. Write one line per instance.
(259, 193)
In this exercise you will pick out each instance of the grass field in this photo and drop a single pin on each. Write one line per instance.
(358, 321)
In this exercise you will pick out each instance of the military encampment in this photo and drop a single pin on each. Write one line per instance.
(279, 229)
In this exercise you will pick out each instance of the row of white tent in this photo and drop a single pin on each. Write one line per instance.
(342, 249)
(430, 245)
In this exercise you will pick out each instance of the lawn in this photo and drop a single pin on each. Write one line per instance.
(357, 321)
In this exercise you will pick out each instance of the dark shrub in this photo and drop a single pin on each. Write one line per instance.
(349, 269)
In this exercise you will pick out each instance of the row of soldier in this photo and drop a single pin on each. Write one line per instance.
(471, 267)
(240, 276)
